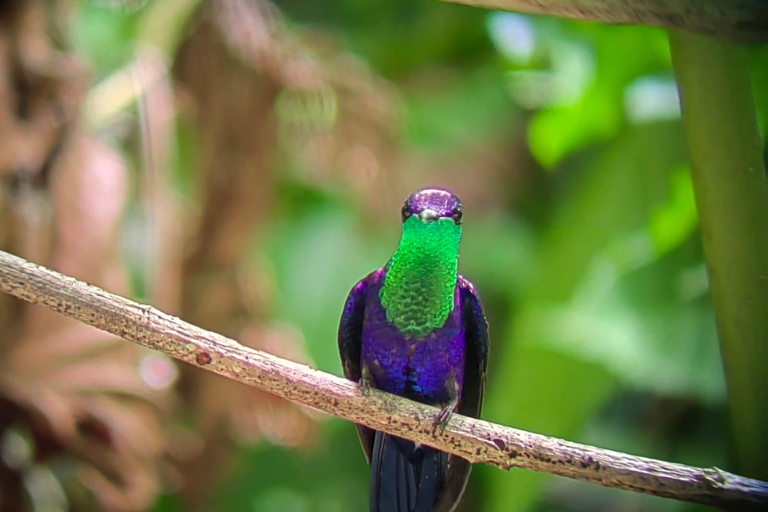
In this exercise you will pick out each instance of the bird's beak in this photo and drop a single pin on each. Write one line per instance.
(428, 215)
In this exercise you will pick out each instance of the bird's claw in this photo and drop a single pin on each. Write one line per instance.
(365, 386)
(438, 426)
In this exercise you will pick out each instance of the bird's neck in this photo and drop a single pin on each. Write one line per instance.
(418, 290)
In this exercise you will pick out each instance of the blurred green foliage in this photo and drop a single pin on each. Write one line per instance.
(601, 320)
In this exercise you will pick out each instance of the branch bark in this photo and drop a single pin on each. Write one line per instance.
(475, 440)
(738, 20)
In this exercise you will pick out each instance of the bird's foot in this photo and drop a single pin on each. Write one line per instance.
(438, 426)
(365, 386)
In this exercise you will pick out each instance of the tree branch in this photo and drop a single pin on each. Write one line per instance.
(739, 20)
(475, 440)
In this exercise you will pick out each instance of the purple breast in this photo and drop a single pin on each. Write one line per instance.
(426, 369)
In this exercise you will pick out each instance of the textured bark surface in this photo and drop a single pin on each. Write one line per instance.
(739, 20)
(476, 440)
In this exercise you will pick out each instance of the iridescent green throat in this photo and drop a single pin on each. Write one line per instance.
(418, 291)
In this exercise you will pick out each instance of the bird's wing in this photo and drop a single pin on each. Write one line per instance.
(476, 332)
(351, 330)
(350, 345)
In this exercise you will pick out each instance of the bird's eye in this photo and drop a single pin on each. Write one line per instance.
(406, 212)
(458, 213)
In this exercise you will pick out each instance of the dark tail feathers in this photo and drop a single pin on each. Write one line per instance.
(405, 478)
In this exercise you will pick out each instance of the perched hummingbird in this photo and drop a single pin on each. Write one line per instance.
(416, 328)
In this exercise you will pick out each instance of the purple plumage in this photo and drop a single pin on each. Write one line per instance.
(424, 369)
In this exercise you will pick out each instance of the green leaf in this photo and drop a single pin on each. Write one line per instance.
(619, 56)
(546, 378)
(674, 221)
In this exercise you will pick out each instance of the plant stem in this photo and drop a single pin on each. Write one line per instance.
(732, 199)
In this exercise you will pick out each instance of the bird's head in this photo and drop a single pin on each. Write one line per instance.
(432, 205)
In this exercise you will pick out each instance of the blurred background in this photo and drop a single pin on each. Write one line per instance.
(241, 164)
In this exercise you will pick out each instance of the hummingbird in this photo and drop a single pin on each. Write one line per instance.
(416, 328)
